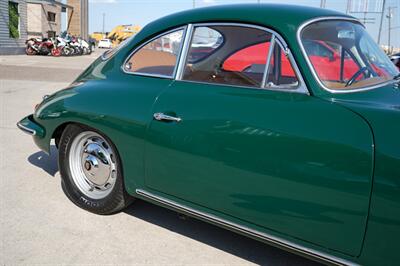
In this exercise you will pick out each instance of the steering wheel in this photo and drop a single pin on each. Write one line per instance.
(355, 76)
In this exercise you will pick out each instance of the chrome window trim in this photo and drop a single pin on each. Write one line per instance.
(300, 88)
(279, 38)
(310, 66)
(184, 52)
(268, 62)
(288, 90)
(184, 28)
(278, 241)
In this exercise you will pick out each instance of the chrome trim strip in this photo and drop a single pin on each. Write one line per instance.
(269, 57)
(25, 129)
(288, 90)
(302, 88)
(145, 43)
(277, 35)
(246, 230)
(310, 66)
(184, 52)
(150, 75)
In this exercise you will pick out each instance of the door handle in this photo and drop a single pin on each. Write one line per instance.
(164, 117)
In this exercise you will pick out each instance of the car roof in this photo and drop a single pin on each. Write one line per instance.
(285, 19)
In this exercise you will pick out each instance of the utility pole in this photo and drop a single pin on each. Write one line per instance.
(348, 7)
(104, 19)
(390, 16)
(381, 22)
(194, 3)
(322, 4)
(258, 1)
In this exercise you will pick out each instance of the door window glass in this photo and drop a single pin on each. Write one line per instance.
(280, 71)
(158, 57)
(233, 55)
(204, 42)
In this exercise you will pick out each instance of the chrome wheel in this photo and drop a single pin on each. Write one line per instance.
(92, 165)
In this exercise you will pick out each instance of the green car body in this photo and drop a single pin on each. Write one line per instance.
(316, 173)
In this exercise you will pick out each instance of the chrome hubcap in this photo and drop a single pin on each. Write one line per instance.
(92, 165)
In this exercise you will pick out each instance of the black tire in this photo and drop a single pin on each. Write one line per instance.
(30, 51)
(116, 200)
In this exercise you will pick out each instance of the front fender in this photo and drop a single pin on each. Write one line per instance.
(119, 112)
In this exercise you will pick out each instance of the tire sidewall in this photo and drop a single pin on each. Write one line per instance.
(105, 205)
(30, 51)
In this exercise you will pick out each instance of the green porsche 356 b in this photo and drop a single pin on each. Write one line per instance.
(278, 122)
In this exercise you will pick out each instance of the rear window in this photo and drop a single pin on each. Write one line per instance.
(158, 57)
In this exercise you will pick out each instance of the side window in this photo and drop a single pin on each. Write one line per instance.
(248, 59)
(205, 41)
(232, 55)
(280, 71)
(158, 57)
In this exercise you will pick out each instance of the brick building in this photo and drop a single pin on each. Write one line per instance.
(21, 19)
(44, 18)
(78, 18)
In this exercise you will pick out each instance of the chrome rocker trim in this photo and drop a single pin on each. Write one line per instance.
(25, 129)
(277, 241)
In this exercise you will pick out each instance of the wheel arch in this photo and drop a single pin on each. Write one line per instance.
(59, 130)
(57, 133)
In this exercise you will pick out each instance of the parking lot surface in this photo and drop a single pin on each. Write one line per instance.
(39, 225)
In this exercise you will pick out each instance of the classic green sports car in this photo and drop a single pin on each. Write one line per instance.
(278, 122)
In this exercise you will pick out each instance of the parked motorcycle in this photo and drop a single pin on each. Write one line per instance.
(64, 47)
(61, 45)
(87, 49)
(58, 47)
(74, 43)
(37, 46)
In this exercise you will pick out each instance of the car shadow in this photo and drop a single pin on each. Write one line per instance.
(47, 162)
(246, 248)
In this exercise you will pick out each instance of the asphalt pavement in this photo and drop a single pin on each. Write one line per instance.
(39, 225)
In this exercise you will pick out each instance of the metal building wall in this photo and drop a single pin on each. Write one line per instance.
(10, 45)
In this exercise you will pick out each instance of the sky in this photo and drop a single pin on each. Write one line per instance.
(141, 12)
